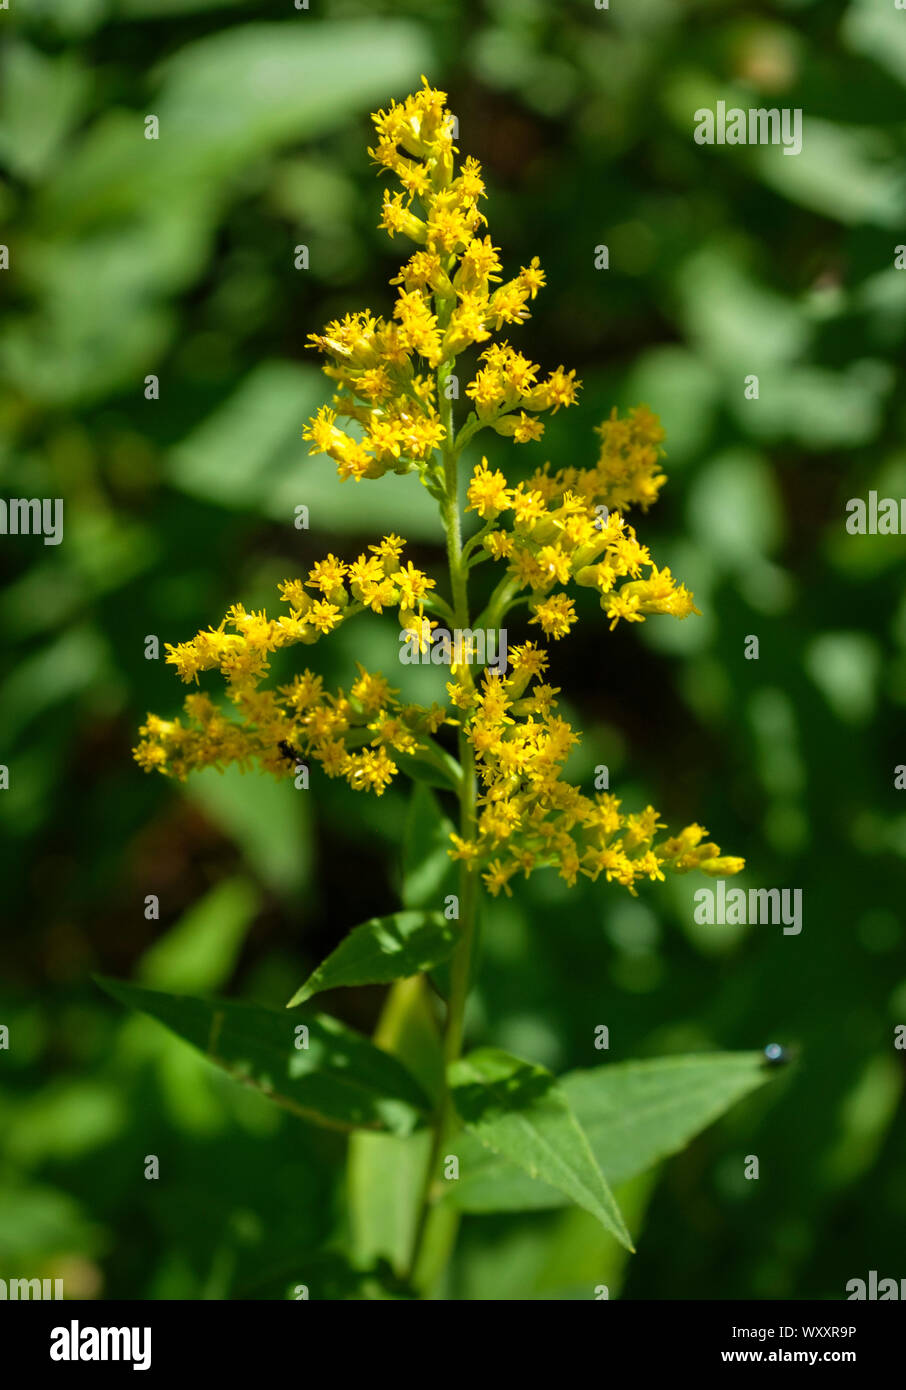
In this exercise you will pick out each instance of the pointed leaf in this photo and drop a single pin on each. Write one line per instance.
(517, 1109)
(634, 1113)
(382, 950)
(339, 1079)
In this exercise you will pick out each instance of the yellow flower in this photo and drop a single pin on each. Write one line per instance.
(556, 615)
(521, 428)
(323, 616)
(530, 817)
(488, 493)
(327, 575)
(369, 770)
(413, 585)
(498, 876)
(372, 692)
(389, 551)
(463, 849)
(461, 696)
(417, 629)
(391, 411)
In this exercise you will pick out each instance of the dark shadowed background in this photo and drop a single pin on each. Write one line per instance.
(175, 257)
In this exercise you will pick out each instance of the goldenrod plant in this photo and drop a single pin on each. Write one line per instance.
(493, 740)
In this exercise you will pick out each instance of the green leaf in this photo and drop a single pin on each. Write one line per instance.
(634, 1113)
(339, 1079)
(246, 456)
(878, 32)
(121, 224)
(42, 99)
(843, 171)
(517, 1109)
(229, 98)
(382, 950)
(429, 873)
(267, 819)
(37, 1221)
(444, 774)
(201, 949)
(241, 90)
(386, 1173)
(52, 676)
(737, 484)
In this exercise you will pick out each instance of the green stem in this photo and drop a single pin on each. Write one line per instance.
(498, 603)
(476, 540)
(460, 970)
(430, 752)
(427, 1259)
(435, 604)
(452, 525)
(423, 1265)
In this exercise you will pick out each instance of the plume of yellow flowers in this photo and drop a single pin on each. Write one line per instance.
(451, 296)
(530, 817)
(392, 410)
(352, 735)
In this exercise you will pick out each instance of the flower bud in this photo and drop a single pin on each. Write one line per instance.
(726, 864)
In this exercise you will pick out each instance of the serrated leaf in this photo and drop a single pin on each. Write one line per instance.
(634, 1113)
(382, 950)
(340, 1079)
(517, 1109)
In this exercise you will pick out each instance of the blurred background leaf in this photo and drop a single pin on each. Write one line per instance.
(175, 258)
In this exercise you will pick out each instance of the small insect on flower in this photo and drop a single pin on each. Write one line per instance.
(290, 753)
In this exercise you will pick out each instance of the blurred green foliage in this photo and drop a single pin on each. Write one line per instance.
(175, 258)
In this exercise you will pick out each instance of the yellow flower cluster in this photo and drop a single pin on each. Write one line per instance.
(399, 427)
(628, 470)
(451, 295)
(530, 817)
(392, 411)
(351, 735)
(562, 531)
(507, 383)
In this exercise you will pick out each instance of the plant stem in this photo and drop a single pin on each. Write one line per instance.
(461, 965)
(452, 525)
(498, 603)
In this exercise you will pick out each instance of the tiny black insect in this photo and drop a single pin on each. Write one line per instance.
(776, 1056)
(289, 752)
